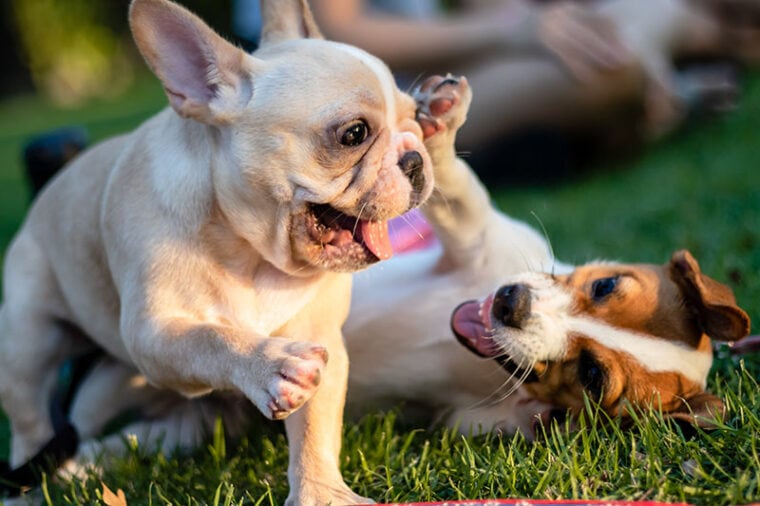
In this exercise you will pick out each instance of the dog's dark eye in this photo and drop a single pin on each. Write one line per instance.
(591, 374)
(355, 133)
(601, 288)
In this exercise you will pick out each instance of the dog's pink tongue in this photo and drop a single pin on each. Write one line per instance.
(468, 322)
(376, 239)
(469, 325)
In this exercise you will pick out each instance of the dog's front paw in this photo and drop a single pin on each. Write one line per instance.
(442, 104)
(292, 378)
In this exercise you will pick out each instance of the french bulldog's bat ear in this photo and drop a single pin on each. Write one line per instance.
(205, 77)
(285, 20)
(713, 303)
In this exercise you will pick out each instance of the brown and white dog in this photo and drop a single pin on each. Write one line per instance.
(628, 336)
(210, 249)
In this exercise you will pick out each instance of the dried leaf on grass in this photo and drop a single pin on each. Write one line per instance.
(111, 499)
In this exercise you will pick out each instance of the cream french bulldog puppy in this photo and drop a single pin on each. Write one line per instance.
(210, 249)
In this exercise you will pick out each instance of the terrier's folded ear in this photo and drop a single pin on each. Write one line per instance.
(713, 303)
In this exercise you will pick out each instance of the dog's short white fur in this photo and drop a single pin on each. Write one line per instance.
(211, 248)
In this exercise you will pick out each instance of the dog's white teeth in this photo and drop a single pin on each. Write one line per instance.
(342, 237)
(328, 236)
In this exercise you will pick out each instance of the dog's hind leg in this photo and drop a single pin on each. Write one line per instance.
(109, 390)
(34, 342)
(171, 423)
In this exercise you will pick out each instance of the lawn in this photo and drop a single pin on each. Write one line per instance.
(699, 190)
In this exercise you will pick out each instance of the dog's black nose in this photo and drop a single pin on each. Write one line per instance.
(411, 164)
(511, 305)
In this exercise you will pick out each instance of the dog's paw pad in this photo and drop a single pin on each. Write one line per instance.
(296, 380)
(303, 371)
(442, 103)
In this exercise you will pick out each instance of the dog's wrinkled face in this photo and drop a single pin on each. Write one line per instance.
(313, 146)
(349, 159)
(626, 335)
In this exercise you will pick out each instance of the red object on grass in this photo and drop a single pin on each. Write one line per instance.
(535, 502)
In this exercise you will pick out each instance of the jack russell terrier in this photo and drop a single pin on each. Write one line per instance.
(542, 333)
(211, 248)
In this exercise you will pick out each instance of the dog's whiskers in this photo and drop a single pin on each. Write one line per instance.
(411, 225)
(412, 88)
(530, 265)
(441, 194)
(552, 256)
(335, 218)
(512, 382)
(358, 218)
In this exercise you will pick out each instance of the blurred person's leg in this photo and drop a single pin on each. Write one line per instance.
(532, 122)
(533, 110)
(509, 94)
(679, 31)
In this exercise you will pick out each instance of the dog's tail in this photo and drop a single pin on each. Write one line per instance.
(46, 154)
(60, 448)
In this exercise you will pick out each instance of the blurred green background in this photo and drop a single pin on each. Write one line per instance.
(72, 62)
(74, 50)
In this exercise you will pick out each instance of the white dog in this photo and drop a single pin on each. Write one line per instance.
(209, 250)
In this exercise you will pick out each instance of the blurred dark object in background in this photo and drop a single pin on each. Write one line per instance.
(16, 77)
(47, 153)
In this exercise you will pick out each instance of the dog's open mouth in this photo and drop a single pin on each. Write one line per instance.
(340, 234)
(471, 324)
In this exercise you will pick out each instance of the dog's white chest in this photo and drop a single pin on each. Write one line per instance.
(268, 303)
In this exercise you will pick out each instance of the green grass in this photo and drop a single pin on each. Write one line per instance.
(26, 116)
(698, 190)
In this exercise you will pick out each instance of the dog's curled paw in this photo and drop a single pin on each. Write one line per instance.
(442, 103)
(294, 377)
